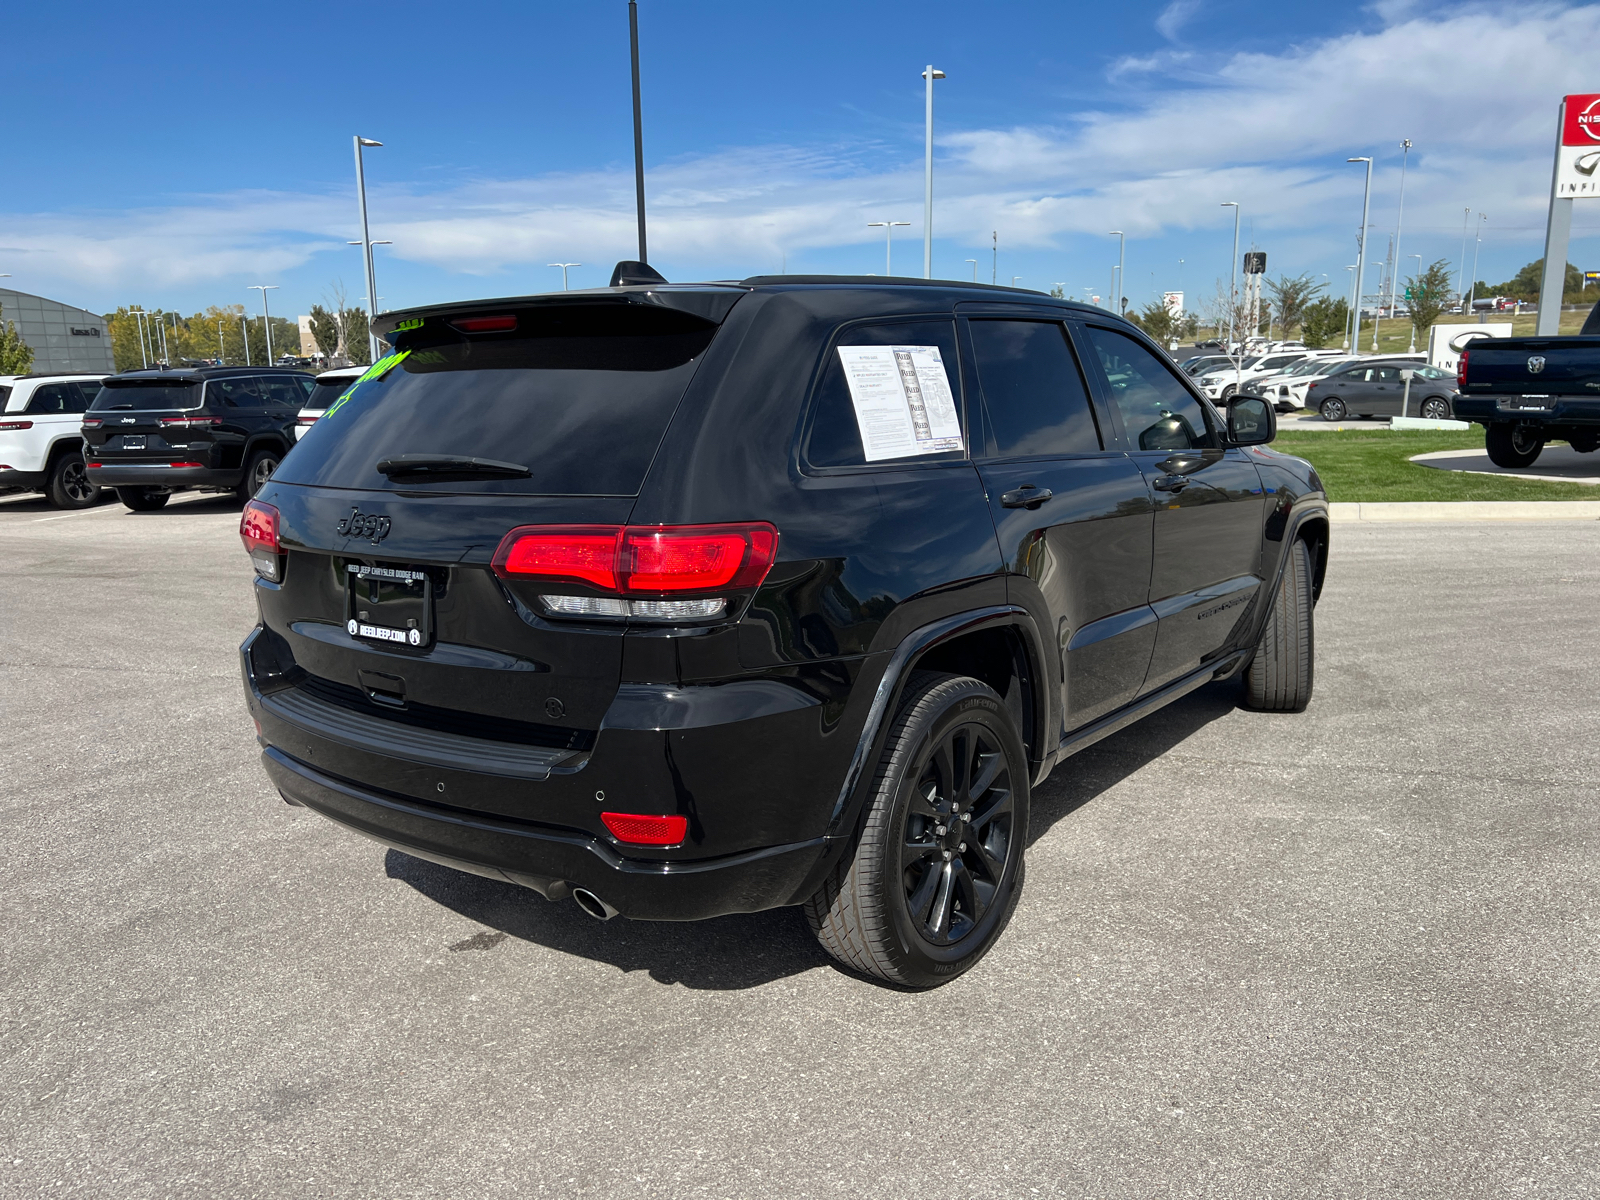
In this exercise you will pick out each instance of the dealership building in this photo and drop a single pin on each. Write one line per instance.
(62, 338)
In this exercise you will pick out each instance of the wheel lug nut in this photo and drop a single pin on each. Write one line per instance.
(940, 830)
(947, 856)
(963, 847)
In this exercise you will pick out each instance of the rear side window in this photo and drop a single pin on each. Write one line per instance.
(237, 392)
(146, 397)
(1158, 413)
(833, 438)
(579, 395)
(280, 391)
(54, 398)
(1034, 399)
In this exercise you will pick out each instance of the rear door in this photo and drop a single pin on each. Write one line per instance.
(1209, 504)
(1072, 512)
(56, 412)
(1384, 390)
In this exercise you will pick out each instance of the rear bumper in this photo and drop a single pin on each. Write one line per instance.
(114, 474)
(1562, 410)
(552, 861)
(21, 479)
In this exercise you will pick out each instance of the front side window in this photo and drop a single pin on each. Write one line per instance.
(834, 436)
(1035, 403)
(1158, 413)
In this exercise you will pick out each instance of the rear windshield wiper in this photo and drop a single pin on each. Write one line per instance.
(457, 466)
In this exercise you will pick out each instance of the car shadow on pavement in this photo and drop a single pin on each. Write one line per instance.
(747, 950)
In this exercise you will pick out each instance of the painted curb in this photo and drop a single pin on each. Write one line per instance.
(1468, 510)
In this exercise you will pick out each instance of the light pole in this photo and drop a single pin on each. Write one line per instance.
(888, 228)
(1115, 289)
(1410, 300)
(1121, 277)
(221, 353)
(927, 178)
(1233, 271)
(1361, 256)
(563, 267)
(138, 326)
(1014, 279)
(372, 303)
(1461, 297)
(974, 263)
(366, 254)
(1377, 313)
(244, 332)
(266, 313)
(1346, 347)
(1405, 153)
(1477, 245)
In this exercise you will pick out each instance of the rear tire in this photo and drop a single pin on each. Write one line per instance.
(938, 868)
(1280, 675)
(69, 485)
(1584, 441)
(143, 499)
(261, 466)
(1512, 445)
(1435, 408)
(1332, 409)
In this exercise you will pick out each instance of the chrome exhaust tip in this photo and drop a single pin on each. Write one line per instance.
(593, 905)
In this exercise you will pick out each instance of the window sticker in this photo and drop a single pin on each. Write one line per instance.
(376, 371)
(903, 401)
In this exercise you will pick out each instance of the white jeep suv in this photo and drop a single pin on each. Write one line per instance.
(41, 436)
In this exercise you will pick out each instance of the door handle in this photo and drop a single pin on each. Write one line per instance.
(1026, 496)
(1170, 483)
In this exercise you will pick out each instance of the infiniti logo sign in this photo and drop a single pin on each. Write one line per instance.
(364, 525)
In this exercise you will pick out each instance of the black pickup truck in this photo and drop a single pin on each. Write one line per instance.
(1526, 391)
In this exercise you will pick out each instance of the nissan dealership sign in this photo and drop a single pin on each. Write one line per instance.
(1579, 153)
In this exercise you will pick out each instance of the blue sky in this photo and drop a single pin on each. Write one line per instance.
(172, 157)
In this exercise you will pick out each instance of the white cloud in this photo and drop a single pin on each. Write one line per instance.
(1174, 17)
(1269, 130)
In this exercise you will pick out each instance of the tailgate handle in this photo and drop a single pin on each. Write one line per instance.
(388, 690)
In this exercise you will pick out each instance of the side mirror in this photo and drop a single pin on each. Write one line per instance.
(1252, 421)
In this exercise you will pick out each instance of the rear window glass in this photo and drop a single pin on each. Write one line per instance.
(580, 396)
(329, 390)
(145, 397)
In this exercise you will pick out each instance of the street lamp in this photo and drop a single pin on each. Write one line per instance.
(1461, 270)
(366, 252)
(138, 327)
(266, 314)
(1233, 271)
(1476, 246)
(244, 333)
(1405, 153)
(1361, 257)
(1014, 279)
(927, 178)
(974, 263)
(1346, 347)
(888, 228)
(563, 267)
(1410, 300)
(1122, 251)
(221, 353)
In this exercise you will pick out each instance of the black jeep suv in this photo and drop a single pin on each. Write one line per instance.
(685, 600)
(151, 433)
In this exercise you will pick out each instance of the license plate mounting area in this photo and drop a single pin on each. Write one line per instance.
(388, 605)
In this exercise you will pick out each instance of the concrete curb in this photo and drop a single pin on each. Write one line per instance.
(1469, 510)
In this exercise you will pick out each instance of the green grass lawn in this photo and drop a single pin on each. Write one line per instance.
(1373, 466)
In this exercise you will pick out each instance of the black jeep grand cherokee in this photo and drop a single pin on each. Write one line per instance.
(686, 600)
(151, 433)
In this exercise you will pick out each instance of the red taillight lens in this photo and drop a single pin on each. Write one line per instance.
(305, 420)
(16, 424)
(92, 422)
(643, 829)
(1461, 371)
(642, 559)
(484, 324)
(573, 553)
(258, 527)
(94, 464)
(192, 422)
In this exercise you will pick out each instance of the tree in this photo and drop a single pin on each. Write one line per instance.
(1290, 298)
(16, 356)
(325, 329)
(357, 345)
(1058, 291)
(1325, 318)
(1426, 295)
(1157, 320)
(1222, 304)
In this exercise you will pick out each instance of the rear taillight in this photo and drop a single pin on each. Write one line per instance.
(94, 464)
(16, 424)
(484, 324)
(191, 422)
(645, 829)
(305, 421)
(1461, 371)
(92, 422)
(258, 526)
(186, 465)
(650, 572)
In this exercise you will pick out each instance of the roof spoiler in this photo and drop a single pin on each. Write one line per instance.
(629, 273)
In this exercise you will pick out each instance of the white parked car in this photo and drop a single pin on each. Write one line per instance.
(41, 436)
(1287, 389)
(330, 386)
(1222, 382)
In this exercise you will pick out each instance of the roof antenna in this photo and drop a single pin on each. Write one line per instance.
(638, 125)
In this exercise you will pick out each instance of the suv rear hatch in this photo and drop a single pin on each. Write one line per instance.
(129, 418)
(392, 506)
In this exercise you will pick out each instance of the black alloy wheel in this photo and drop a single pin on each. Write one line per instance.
(1435, 408)
(1332, 409)
(143, 499)
(262, 465)
(939, 866)
(69, 485)
(1513, 445)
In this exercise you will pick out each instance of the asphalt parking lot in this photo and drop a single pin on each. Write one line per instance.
(1347, 953)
